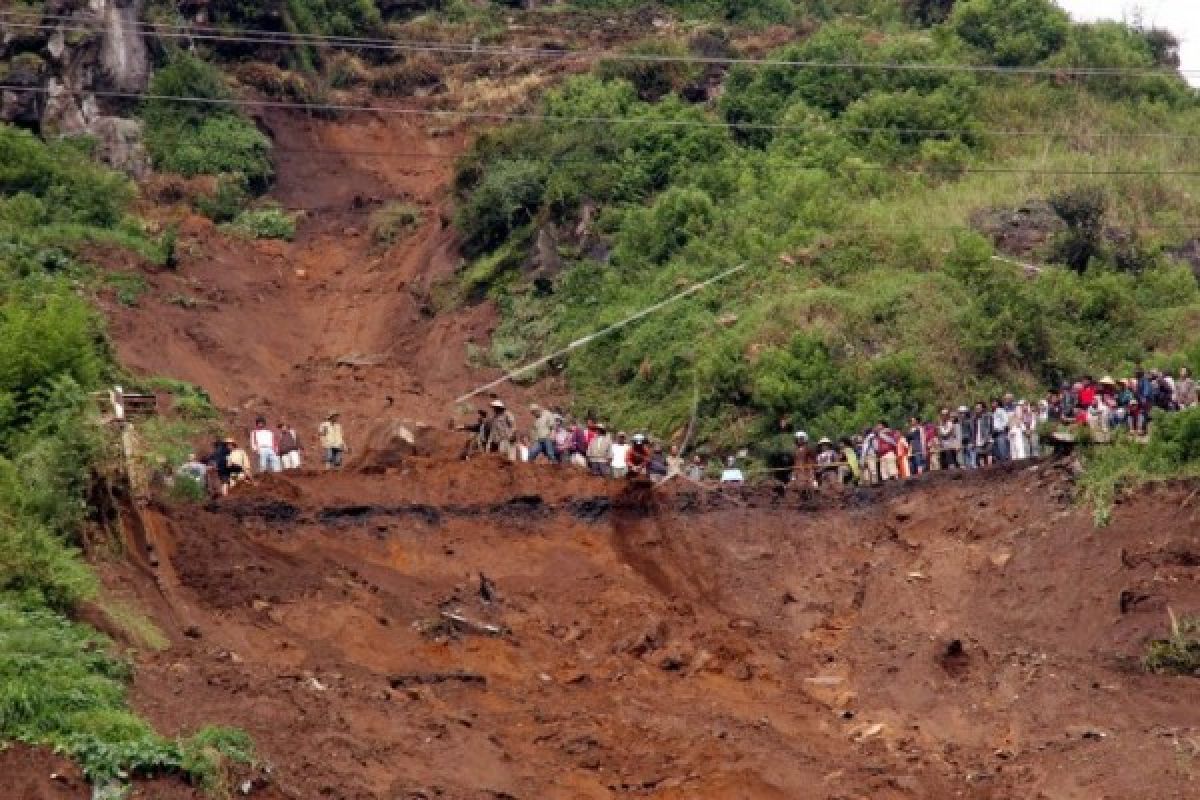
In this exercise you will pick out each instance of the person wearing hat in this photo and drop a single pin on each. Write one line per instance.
(828, 471)
(639, 455)
(502, 436)
(804, 460)
(600, 451)
(542, 434)
(333, 441)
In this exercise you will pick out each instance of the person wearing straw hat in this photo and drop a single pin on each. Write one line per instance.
(502, 435)
(333, 441)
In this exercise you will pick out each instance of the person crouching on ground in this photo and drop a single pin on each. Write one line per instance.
(289, 447)
(262, 441)
(333, 442)
(237, 465)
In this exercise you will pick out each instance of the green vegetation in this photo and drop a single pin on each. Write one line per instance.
(853, 196)
(263, 223)
(59, 686)
(60, 683)
(1172, 452)
(392, 222)
(1180, 652)
(197, 138)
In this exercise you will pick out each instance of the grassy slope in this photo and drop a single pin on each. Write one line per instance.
(61, 684)
(866, 293)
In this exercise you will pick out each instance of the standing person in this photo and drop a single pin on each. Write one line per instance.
(1185, 390)
(1000, 445)
(966, 426)
(675, 463)
(870, 457)
(599, 451)
(981, 430)
(902, 457)
(803, 462)
(657, 468)
(478, 431)
(1018, 443)
(262, 442)
(333, 443)
(695, 470)
(917, 448)
(502, 436)
(885, 446)
(619, 457)
(828, 471)
(639, 455)
(562, 441)
(851, 473)
(542, 435)
(949, 439)
(289, 447)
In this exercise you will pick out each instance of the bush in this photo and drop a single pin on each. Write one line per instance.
(1180, 653)
(392, 221)
(263, 223)
(1011, 33)
(1083, 210)
(227, 201)
(44, 184)
(507, 198)
(194, 138)
(874, 117)
(652, 79)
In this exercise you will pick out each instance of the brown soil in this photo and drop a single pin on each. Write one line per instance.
(966, 638)
(960, 638)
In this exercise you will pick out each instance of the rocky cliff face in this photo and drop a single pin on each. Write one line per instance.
(64, 60)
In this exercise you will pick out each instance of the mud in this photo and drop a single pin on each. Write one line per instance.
(964, 640)
(956, 637)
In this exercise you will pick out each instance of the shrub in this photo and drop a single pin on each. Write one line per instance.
(1011, 33)
(1083, 210)
(263, 223)
(43, 184)
(392, 221)
(194, 138)
(227, 201)
(507, 198)
(1180, 652)
(652, 79)
(416, 71)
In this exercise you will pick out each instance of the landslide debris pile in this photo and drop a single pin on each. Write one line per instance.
(918, 644)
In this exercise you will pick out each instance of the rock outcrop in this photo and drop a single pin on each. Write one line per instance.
(69, 68)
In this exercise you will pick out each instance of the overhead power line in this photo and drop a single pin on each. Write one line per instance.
(283, 38)
(504, 116)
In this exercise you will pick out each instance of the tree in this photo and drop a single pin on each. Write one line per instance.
(1011, 33)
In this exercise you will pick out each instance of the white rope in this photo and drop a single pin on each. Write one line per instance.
(602, 332)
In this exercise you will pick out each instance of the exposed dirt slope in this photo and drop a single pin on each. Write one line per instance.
(672, 645)
(330, 320)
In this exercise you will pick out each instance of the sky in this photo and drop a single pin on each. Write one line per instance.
(1181, 17)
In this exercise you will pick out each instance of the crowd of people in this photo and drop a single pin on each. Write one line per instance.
(274, 450)
(966, 437)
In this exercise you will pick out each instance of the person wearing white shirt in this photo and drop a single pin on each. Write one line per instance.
(731, 475)
(262, 441)
(619, 462)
